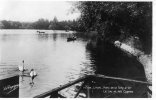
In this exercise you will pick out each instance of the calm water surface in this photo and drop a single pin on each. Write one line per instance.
(55, 60)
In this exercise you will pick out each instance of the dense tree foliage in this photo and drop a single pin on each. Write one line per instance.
(40, 24)
(118, 20)
(111, 20)
(10, 24)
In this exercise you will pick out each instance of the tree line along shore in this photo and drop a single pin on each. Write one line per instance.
(128, 22)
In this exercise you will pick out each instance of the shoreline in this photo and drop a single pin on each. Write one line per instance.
(144, 59)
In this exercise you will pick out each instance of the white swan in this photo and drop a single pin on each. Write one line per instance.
(21, 67)
(33, 74)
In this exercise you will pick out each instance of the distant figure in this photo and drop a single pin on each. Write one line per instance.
(40, 32)
(32, 75)
(21, 68)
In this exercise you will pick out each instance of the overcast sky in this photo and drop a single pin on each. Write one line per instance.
(32, 10)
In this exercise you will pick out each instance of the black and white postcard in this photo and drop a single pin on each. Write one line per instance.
(75, 49)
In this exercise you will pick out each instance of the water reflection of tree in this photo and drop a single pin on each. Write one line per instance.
(113, 62)
(64, 35)
(54, 36)
(43, 36)
(109, 59)
(6, 37)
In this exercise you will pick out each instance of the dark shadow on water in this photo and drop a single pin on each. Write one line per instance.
(9, 87)
(111, 61)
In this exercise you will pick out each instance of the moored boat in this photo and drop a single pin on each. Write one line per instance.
(71, 39)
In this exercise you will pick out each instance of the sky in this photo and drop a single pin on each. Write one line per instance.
(32, 10)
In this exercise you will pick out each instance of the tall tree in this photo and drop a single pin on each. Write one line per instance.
(113, 19)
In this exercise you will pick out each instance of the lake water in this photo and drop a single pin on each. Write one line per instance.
(57, 61)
